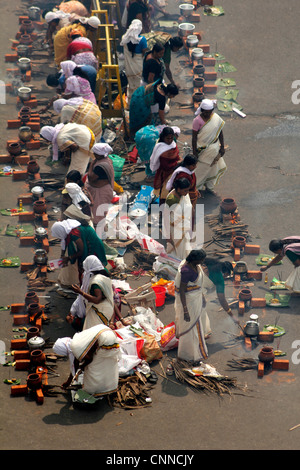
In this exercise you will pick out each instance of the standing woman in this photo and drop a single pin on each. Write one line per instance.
(163, 161)
(190, 316)
(134, 46)
(186, 169)
(100, 183)
(139, 10)
(153, 66)
(208, 146)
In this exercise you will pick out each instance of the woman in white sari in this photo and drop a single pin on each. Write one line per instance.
(80, 111)
(192, 322)
(77, 138)
(208, 146)
(135, 46)
(177, 220)
(97, 351)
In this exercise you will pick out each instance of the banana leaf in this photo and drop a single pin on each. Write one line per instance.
(15, 262)
(227, 94)
(224, 67)
(226, 82)
(214, 11)
(226, 105)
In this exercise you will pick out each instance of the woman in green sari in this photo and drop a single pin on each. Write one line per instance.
(140, 114)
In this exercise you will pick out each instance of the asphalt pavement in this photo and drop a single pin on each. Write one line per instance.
(260, 39)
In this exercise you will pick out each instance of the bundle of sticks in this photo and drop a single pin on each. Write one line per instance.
(242, 364)
(132, 392)
(221, 385)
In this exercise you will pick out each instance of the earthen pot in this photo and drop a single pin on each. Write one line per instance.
(239, 242)
(266, 354)
(245, 294)
(199, 82)
(199, 69)
(39, 207)
(37, 356)
(25, 133)
(24, 118)
(25, 39)
(198, 97)
(14, 148)
(26, 27)
(228, 205)
(33, 308)
(34, 381)
(31, 297)
(25, 110)
(32, 331)
(33, 167)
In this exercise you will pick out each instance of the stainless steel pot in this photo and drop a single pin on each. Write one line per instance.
(240, 267)
(36, 342)
(186, 9)
(197, 53)
(192, 40)
(251, 328)
(185, 29)
(24, 93)
(40, 257)
(40, 233)
(37, 192)
(23, 50)
(34, 13)
(24, 64)
(25, 133)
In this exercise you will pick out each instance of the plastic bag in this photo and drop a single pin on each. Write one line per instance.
(168, 338)
(117, 102)
(149, 322)
(127, 363)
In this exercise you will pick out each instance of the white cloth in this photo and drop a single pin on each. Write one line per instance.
(102, 312)
(180, 169)
(62, 229)
(50, 133)
(76, 194)
(206, 104)
(53, 15)
(90, 265)
(92, 21)
(293, 280)
(67, 68)
(132, 33)
(159, 148)
(102, 149)
(62, 347)
(59, 104)
(101, 376)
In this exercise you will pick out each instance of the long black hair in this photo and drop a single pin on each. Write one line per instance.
(166, 131)
(181, 183)
(278, 243)
(216, 266)
(196, 255)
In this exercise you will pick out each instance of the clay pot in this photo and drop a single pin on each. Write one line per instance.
(23, 50)
(39, 207)
(198, 97)
(37, 356)
(25, 110)
(199, 82)
(30, 298)
(26, 27)
(34, 381)
(266, 354)
(25, 39)
(25, 133)
(240, 267)
(24, 118)
(33, 308)
(32, 331)
(14, 148)
(228, 205)
(239, 242)
(199, 69)
(33, 167)
(245, 294)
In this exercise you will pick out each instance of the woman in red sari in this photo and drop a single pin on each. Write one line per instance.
(163, 161)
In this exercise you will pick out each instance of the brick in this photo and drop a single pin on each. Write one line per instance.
(20, 319)
(18, 390)
(26, 216)
(258, 302)
(18, 344)
(37, 176)
(22, 364)
(45, 221)
(237, 279)
(22, 354)
(210, 88)
(23, 18)
(14, 70)
(8, 88)
(210, 75)
(13, 124)
(39, 25)
(260, 369)
(19, 175)
(25, 198)
(248, 343)
(205, 47)
(209, 61)
(26, 241)
(5, 159)
(237, 252)
(280, 364)
(241, 307)
(45, 244)
(27, 77)
(254, 275)
(252, 249)
(38, 323)
(11, 57)
(39, 396)
(22, 159)
(34, 126)
(33, 145)
(195, 18)
(26, 267)
(17, 308)
(266, 336)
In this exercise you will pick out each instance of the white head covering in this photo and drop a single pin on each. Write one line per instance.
(59, 104)
(205, 104)
(62, 229)
(53, 15)
(50, 133)
(92, 21)
(67, 68)
(73, 85)
(90, 265)
(133, 33)
(61, 347)
(76, 194)
(102, 149)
